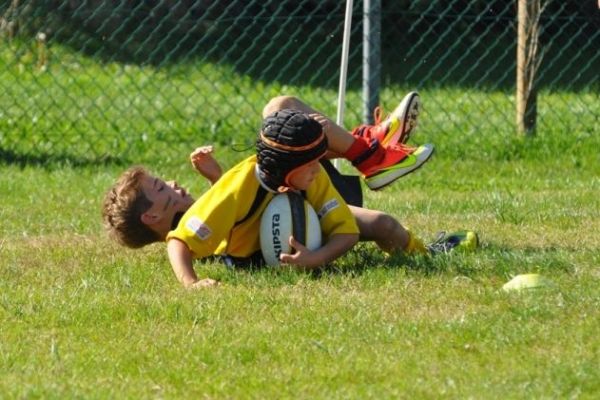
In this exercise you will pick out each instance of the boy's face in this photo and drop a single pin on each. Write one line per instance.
(167, 198)
(303, 176)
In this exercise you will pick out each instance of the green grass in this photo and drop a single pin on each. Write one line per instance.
(83, 318)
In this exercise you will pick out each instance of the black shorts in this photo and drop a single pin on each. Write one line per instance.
(348, 185)
(256, 260)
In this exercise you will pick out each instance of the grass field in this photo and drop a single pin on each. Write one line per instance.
(83, 318)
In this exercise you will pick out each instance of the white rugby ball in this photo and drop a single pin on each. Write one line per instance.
(288, 214)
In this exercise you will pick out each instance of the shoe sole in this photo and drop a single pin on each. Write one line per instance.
(384, 178)
(407, 114)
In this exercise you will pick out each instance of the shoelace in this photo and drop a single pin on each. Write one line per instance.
(364, 130)
(377, 112)
(408, 149)
(442, 244)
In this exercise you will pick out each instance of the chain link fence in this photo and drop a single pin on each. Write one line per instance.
(92, 80)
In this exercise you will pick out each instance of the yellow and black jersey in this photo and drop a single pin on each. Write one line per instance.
(219, 223)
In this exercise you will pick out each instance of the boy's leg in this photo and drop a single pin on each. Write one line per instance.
(339, 139)
(395, 129)
(386, 232)
(391, 236)
(380, 165)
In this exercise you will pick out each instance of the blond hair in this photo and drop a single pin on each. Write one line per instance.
(123, 207)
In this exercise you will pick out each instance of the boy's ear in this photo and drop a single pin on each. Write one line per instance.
(149, 218)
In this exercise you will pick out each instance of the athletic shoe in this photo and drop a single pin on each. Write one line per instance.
(461, 240)
(396, 128)
(397, 161)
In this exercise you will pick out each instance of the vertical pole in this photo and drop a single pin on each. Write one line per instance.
(344, 69)
(521, 64)
(344, 64)
(526, 95)
(371, 57)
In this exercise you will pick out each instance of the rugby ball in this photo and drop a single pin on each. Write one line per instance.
(288, 214)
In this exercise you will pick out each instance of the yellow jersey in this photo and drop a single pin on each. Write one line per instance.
(210, 226)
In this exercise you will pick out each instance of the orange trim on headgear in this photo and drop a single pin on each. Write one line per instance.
(276, 145)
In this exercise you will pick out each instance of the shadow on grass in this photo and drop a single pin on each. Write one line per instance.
(11, 157)
(490, 259)
(298, 42)
(364, 258)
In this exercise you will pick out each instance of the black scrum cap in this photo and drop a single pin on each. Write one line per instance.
(288, 140)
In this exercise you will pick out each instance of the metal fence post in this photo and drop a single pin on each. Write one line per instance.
(371, 57)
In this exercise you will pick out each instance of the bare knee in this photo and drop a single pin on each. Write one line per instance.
(385, 225)
(279, 103)
(389, 234)
(381, 228)
(375, 225)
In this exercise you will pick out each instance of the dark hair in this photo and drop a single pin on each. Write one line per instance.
(288, 139)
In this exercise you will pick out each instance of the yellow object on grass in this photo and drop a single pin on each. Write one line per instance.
(526, 281)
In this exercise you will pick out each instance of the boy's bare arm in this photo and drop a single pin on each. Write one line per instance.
(203, 162)
(182, 264)
(304, 258)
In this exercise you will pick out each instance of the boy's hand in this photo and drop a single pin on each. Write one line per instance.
(302, 257)
(205, 164)
(336, 245)
(204, 283)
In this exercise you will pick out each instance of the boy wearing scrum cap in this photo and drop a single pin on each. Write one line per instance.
(141, 209)
(379, 152)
